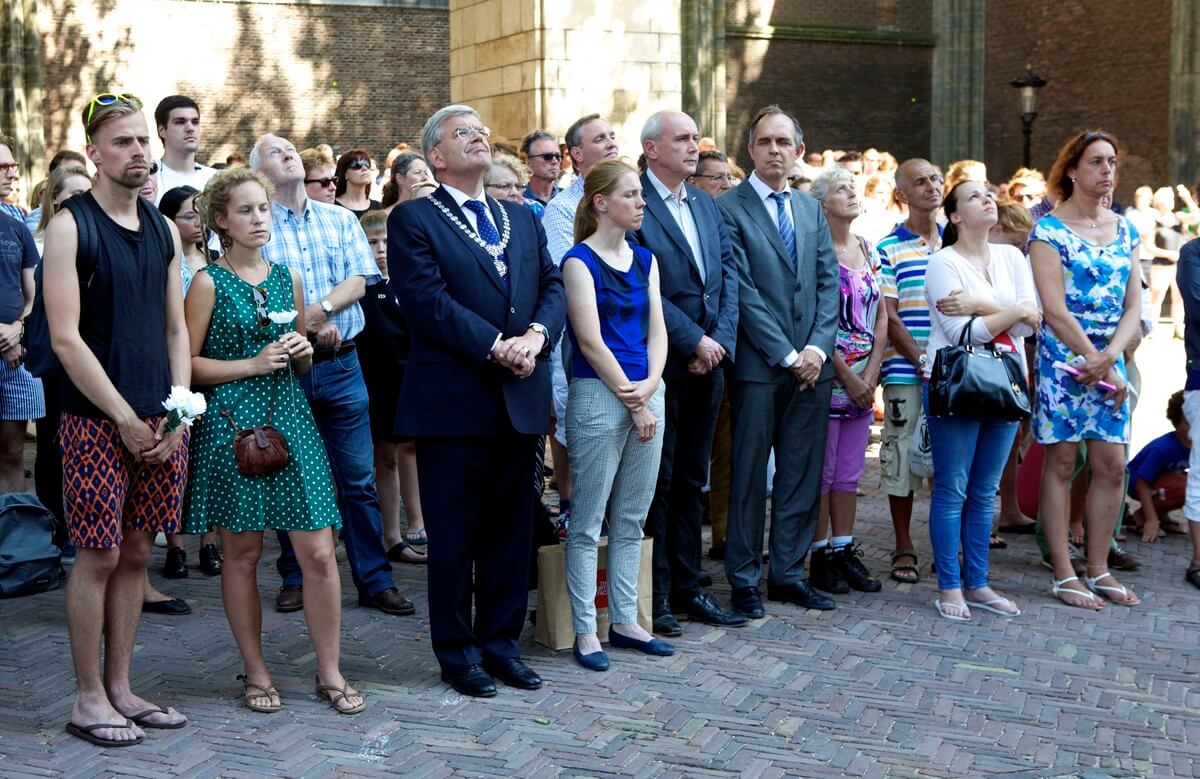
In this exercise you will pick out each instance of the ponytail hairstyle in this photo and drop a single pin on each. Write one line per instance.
(602, 179)
(950, 206)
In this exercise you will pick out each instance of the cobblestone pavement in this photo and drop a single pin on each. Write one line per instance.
(879, 687)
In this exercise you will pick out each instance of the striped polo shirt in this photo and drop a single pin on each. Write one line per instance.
(904, 256)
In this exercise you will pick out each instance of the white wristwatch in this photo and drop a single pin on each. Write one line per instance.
(327, 307)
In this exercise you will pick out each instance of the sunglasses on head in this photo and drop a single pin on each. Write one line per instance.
(260, 307)
(106, 99)
(550, 156)
(360, 165)
(328, 181)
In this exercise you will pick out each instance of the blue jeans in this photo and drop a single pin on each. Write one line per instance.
(338, 397)
(968, 458)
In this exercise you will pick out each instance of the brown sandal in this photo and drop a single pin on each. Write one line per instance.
(906, 574)
(262, 692)
(334, 694)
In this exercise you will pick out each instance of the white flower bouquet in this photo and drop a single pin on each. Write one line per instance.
(183, 408)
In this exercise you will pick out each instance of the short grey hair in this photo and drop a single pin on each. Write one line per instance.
(652, 130)
(254, 159)
(829, 178)
(432, 134)
(773, 110)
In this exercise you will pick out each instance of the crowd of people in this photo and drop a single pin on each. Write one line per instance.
(385, 358)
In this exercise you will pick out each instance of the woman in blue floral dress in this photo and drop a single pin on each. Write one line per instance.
(1083, 254)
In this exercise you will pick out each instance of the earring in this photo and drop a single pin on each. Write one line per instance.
(1072, 179)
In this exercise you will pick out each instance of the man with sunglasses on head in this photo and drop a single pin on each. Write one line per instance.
(541, 153)
(123, 472)
(329, 249)
(178, 120)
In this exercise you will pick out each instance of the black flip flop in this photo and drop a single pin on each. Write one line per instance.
(1019, 530)
(142, 718)
(85, 732)
(1193, 575)
(397, 554)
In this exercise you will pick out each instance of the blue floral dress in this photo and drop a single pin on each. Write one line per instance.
(1095, 279)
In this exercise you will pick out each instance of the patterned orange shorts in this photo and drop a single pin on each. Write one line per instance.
(105, 494)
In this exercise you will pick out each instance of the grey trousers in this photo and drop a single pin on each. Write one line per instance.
(779, 415)
(609, 467)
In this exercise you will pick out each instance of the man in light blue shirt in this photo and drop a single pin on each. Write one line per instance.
(325, 244)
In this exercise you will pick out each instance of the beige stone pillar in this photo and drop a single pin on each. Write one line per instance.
(525, 64)
(957, 122)
(21, 97)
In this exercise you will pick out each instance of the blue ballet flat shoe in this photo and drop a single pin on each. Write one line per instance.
(654, 646)
(593, 661)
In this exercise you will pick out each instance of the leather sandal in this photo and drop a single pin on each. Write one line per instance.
(907, 574)
(250, 691)
(334, 694)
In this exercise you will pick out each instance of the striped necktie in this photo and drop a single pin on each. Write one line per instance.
(786, 231)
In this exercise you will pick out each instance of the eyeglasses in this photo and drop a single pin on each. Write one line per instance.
(153, 168)
(465, 133)
(328, 181)
(9, 167)
(360, 165)
(260, 307)
(107, 99)
(189, 216)
(551, 156)
(720, 178)
(510, 187)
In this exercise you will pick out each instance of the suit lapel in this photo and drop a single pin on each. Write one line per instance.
(482, 257)
(659, 210)
(758, 214)
(709, 242)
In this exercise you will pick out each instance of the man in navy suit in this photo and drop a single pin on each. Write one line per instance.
(698, 276)
(478, 288)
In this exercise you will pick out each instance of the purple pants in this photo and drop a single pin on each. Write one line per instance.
(845, 453)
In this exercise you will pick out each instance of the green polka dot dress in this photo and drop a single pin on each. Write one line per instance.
(298, 497)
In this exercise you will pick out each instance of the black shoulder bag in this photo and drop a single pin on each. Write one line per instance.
(978, 382)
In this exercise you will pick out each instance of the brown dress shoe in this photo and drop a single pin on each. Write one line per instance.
(389, 601)
(290, 598)
(1121, 560)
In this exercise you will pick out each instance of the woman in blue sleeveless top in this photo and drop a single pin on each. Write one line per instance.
(615, 406)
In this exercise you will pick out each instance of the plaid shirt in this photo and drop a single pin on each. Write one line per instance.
(327, 246)
(559, 220)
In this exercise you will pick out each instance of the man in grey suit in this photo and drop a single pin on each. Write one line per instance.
(782, 379)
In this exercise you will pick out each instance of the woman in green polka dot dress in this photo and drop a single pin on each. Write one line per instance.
(244, 359)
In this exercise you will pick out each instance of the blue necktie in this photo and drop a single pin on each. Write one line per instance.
(786, 231)
(487, 231)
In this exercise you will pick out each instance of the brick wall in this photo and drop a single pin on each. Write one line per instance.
(845, 95)
(1108, 66)
(343, 75)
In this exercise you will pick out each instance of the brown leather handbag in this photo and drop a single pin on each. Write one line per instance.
(261, 449)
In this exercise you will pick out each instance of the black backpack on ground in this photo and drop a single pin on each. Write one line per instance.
(40, 359)
(29, 560)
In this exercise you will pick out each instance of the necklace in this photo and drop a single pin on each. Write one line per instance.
(235, 272)
(495, 252)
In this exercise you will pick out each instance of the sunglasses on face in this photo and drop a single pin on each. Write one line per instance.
(153, 168)
(260, 307)
(551, 156)
(360, 165)
(328, 181)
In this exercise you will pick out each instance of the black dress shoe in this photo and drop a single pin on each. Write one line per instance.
(175, 607)
(472, 681)
(748, 602)
(849, 563)
(175, 566)
(210, 560)
(389, 601)
(704, 580)
(513, 672)
(716, 553)
(665, 623)
(703, 608)
(825, 573)
(800, 593)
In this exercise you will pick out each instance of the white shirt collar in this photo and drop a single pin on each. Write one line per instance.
(661, 188)
(762, 189)
(461, 197)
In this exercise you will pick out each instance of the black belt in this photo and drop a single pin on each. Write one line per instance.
(321, 355)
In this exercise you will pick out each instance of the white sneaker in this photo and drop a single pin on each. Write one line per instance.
(160, 540)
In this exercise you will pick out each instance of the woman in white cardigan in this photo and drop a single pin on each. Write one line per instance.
(992, 282)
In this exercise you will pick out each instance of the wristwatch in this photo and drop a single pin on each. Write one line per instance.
(327, 307)
(544, 333)
(923, 360)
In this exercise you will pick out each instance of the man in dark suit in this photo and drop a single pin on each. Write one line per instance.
(699, 284)
(482, 297)
(788, 304)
